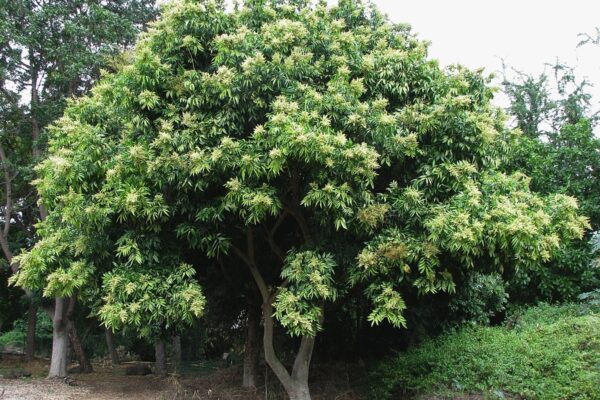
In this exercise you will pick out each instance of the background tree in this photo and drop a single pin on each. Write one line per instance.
(51, 50)
(560, 152)
(317, 147)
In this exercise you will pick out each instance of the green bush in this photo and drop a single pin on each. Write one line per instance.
(548, 352)
(12, 338)
(17, 335)
(478, 299)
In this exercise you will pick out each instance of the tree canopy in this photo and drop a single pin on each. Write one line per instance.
(319, 146)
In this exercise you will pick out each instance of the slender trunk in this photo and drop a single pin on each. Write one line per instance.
(60, 340)
(296, 383)
(84, 363)
(35, 123)
(76, 344)
(31, 322)
(160, 363)
(110, 345)
(252, 347)
(301, 368)
(176, 353)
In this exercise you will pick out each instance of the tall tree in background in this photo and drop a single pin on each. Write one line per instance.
(560, 153)
(51, 51)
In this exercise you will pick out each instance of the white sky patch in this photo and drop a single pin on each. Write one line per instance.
(527, 34)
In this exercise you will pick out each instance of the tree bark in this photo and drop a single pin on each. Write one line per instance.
(252, 346)
(160, 363)
(299, 391)
(35, 122)
(110, 345)
(60, 340)
(31, 322)
(296, 383)
(76, 344)
(176, 353)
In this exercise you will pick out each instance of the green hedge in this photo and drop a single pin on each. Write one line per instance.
(547, 353)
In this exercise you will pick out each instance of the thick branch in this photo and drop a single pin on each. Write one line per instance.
(8, 254)
(248, 258)
(8, 191)
(299, 217)
(304, 355)
(271, 236)
(270, 357)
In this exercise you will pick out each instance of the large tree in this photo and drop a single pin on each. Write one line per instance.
(50, 51)
(319, 147)
(560, 152)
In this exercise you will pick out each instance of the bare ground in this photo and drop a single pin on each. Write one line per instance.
(331, 382)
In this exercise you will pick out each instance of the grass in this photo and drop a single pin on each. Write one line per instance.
(548, 352)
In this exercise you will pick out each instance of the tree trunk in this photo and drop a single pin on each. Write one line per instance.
(176, 353)
(299, 391)
(31, 321)
(110, 345)
(35, 123)
(160, 363)
(252, 346)
(84, 363)
(60, 340)
(296, 383)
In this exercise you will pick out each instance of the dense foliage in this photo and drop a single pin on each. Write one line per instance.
(560, 152)
(549, 352)
(318, 147)
(49, 51)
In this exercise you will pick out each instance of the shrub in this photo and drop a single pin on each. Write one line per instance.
(548, 352)
(480, 298)
(12, 338)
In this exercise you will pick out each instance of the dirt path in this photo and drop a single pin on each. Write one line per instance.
(33, 389)
(201, 382)
(92, 388)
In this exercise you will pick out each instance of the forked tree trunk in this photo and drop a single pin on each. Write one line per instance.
(176, 353)
(296, 383)
(60, 340)
(160, 363)
(252, 347)
(31, 322)
(110, 345)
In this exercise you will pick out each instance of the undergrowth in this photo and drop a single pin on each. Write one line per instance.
(546, 352)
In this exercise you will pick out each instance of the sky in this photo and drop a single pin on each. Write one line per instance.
(527, 34)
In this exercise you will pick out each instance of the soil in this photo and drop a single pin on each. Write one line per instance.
(200, 381)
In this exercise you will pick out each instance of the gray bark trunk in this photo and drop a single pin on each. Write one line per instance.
(60, 341)
(77, 346)
(76, 343)
(160, 363)
(31, 322)
(110, 345)
(296, 383)
(252, 347)
(176, 353)
(299, 391)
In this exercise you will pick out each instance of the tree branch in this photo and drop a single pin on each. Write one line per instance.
(8, 192)
(271, 236)
(248, 258)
